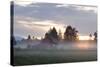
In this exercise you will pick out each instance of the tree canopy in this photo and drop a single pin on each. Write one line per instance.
(70, 33)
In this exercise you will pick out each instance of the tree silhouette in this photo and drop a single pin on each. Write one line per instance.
(52, 36)
(46, 36)
(95, 35)
(70, 33)
(53, 33)
(90, 36)
(74, 34)
(29, 37)
(33, 37)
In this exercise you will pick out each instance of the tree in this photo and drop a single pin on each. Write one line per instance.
(90, 36)
(53, 33)
(95, 35)
(46, 36)
(52, 36)
(33, 37)
(29, 37)
(74, 34)
(70, 33)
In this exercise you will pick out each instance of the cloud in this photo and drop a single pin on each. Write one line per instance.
(62, 5)
(87, 8)
(26, 25)
(44, 25)
(39, 17)
(23, 2)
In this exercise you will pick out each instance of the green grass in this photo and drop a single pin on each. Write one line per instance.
(31, 57)
(31, 60)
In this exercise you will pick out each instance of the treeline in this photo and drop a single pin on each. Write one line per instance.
(52, 36)
(70, 34)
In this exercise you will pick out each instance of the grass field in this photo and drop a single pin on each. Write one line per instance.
(49, 56)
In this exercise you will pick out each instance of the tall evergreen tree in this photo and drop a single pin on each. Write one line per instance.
(51, 35)
(68, 33)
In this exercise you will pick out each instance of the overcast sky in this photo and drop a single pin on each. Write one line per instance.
(37, 18)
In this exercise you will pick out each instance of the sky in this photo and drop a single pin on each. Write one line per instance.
(36, 18)
(84, 2)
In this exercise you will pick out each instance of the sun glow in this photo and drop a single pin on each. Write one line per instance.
(86, 38)
(83, 46)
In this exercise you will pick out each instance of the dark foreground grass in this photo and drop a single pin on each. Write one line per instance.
(49, 57)
(33, 60)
